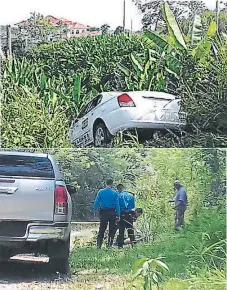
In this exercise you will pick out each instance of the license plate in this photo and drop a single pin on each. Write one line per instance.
(182, 117)
(170, 116)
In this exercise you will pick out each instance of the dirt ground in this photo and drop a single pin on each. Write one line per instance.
(29, 272)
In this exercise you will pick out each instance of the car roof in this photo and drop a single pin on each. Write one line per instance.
(20, 153)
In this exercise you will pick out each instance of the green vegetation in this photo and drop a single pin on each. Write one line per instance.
(187, 255)
(196, 256)
(69, 73)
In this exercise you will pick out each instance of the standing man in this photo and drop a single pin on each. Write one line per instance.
(181, 202)
(107, 202)
(127, 207)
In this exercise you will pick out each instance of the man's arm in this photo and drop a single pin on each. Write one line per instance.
(96, 203)
(133, 202)
(118, 210)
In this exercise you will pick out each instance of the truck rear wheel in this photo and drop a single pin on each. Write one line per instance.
(60, 265)
(59, 256)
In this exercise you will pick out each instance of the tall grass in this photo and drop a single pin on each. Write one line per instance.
(203, 268)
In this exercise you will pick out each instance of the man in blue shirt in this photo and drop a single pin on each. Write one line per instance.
(181, 202)
(107, 202)
(127, 207)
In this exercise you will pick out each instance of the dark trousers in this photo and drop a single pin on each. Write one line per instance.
(179, 216)
(107, 217)
(126, 222)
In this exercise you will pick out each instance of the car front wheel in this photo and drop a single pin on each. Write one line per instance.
(102, 135)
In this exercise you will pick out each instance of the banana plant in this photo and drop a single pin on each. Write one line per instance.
(176, 37)
(196, 30)
(21, 72)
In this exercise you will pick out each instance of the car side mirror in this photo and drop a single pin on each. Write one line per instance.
(71, 189)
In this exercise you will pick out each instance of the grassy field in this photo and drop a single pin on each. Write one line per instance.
(192, 260)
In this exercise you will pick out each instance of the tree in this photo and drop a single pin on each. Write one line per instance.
(93, 29)
(209, 16)
(62, 27)
(35, 30)
(105, 28)
(153, 16)
(119, 30)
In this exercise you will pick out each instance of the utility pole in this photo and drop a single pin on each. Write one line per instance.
(131, 27)
(124, 15)
(217, 14)
(9, 42)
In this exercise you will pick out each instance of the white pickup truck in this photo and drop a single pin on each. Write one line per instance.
(35, 208)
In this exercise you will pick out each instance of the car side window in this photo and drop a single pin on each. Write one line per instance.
(90, 106)
(98, 100)
(83, 112)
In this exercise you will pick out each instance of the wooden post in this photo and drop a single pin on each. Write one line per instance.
(217, 14)
(9, 42)
(124, 16)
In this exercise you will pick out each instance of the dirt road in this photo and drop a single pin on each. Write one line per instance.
(28, 272)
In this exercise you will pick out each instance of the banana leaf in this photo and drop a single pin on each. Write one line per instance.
(196, 30)
(175, 36)
(153, 38)
(77, 89)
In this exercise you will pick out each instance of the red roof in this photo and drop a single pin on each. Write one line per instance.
(55, 21)
(79, 26)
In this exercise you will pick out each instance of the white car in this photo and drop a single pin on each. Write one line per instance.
(111, 112)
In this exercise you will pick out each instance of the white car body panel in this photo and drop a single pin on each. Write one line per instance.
(153, 110)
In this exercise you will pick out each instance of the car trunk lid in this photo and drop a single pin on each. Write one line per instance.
(151, 104)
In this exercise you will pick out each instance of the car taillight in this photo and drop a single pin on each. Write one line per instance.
(125, 100)
(61, 200)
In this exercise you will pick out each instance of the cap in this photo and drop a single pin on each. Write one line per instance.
(177, 182)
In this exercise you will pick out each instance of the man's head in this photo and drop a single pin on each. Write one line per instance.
(138, 212)
(177, 184)
(120, 187)
(109, 182)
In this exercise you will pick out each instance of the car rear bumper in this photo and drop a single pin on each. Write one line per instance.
(41, 231)
(141, 124)
(37, 233)
(155, 125)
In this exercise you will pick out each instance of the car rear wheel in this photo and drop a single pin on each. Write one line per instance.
(59, 257)
(102, 136)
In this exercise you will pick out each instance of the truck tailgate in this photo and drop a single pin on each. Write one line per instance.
(27, 199)
(27, 186)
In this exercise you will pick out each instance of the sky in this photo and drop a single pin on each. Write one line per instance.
(89, 12)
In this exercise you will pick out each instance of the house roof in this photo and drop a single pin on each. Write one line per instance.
(55, 21)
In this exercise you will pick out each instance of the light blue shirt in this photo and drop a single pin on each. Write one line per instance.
(107, 198)
(126, 201)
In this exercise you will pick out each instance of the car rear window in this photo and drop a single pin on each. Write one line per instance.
(25, 166)
(158, 98)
